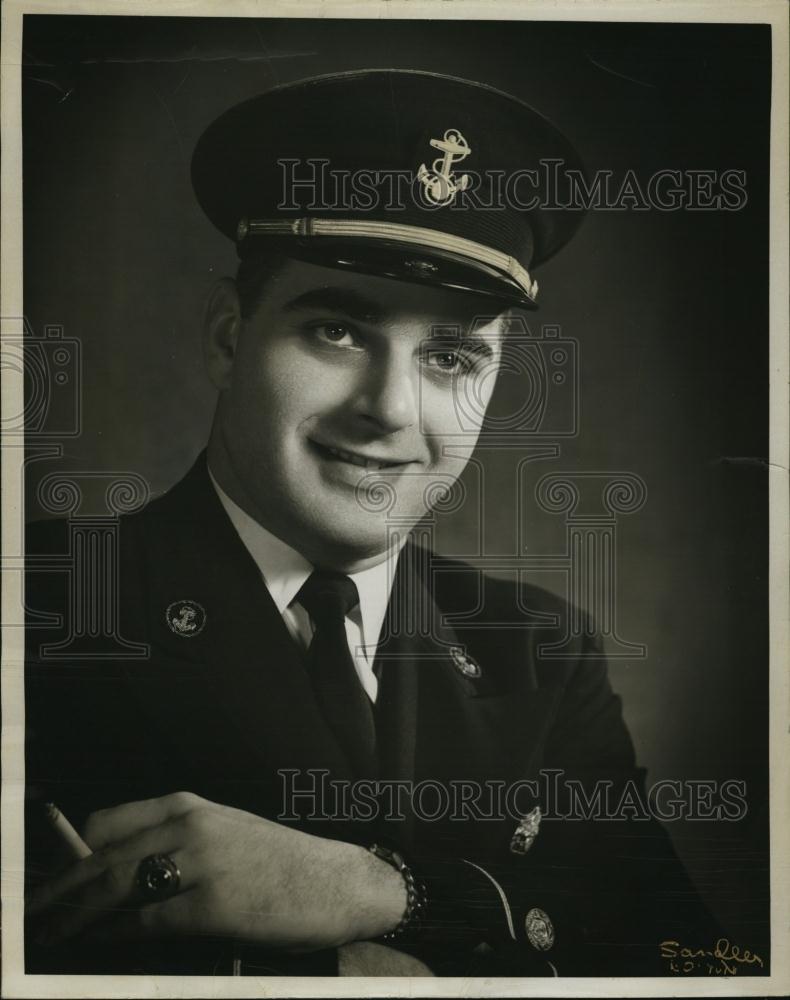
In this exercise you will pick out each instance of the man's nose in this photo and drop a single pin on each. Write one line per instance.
(389, 397)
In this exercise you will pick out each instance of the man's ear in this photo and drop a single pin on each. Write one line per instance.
(221, 331)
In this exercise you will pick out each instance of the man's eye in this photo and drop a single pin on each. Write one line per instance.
(335, 333)
(451, 362)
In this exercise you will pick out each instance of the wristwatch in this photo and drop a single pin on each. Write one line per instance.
(415, 891)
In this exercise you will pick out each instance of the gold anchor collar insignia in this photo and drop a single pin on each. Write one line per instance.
(464, 663)
(186, 618)
(526, 832)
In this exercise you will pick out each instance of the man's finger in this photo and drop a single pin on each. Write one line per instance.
(107, 826)
(78, 874)
(181, 914)
(113, 892)
(162, 839)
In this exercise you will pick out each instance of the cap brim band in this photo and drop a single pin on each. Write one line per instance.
(395, 233)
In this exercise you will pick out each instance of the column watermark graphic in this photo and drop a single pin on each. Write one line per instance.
(533, 429)
(50, 365)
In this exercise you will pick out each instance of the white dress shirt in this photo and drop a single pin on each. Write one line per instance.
(284, 571)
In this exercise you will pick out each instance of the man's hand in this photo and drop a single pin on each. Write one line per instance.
(241, 876)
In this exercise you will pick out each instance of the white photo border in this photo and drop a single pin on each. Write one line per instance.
(14, 982)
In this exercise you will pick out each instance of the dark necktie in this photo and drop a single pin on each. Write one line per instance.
(328, 597)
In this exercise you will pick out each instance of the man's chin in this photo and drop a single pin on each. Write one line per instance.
(349, 541)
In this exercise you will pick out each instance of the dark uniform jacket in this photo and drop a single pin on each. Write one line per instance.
(227, 712)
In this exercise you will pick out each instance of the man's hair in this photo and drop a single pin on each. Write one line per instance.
(255, 273)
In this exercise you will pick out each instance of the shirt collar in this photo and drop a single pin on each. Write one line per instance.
(284, 570)
(374, 586)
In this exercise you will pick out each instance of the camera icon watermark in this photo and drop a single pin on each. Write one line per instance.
(537, 379)
(51, 368)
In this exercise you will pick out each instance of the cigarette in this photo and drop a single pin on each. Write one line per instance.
(71, 839)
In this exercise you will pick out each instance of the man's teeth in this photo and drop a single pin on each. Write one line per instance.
(365, 463)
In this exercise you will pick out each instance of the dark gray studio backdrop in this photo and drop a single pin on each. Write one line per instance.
(669, 310)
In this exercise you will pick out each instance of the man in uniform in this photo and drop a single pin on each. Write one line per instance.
(297, 637)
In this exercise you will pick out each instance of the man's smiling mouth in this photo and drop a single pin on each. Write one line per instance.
(354, 458)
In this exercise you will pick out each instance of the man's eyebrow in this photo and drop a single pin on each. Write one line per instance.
(471, 341)
(350, 303)
(338, 300)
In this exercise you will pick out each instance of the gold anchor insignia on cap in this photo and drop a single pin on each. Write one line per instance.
(440, 183)
(186, 618)
(539, 928)
(464, 663)
(526, 831)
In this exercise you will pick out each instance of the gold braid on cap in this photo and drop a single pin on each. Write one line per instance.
(398, 233)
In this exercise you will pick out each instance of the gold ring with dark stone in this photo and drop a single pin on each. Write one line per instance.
(158, 876)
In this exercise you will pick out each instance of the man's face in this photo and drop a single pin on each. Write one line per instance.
(349, 400)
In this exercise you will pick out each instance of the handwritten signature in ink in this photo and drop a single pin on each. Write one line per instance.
(724, 959)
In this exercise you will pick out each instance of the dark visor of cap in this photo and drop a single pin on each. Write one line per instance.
(390, 260)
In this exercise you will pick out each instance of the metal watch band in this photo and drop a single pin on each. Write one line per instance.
(415, 891)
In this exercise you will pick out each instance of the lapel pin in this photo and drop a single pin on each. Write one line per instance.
(186, 618)
(465, 664)
(539, 928)
(526, 831)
